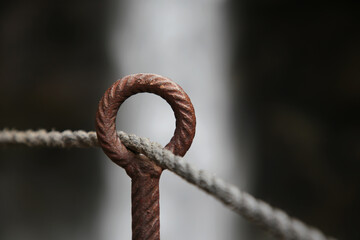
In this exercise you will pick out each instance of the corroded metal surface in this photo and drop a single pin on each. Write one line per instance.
(144, 173)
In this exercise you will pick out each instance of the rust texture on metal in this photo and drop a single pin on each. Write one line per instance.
(144, 173)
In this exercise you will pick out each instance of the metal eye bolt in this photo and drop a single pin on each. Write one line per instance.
(144, 173)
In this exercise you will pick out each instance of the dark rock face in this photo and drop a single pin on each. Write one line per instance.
(52, 64)
(300, 76)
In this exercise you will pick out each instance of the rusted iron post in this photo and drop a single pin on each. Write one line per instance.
(144, 173)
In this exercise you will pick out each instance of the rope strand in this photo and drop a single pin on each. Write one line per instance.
(271, 219)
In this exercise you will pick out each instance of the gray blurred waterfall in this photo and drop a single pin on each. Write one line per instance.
(186, 41)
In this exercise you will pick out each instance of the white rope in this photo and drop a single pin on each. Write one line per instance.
(274, 220)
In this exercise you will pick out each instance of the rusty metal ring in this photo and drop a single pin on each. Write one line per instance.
(137, 83)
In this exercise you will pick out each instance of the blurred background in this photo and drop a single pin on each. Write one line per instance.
(275, 86)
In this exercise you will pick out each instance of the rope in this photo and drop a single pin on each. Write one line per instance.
(274, 220)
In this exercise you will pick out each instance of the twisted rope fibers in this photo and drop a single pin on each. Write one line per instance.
(271, 219)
